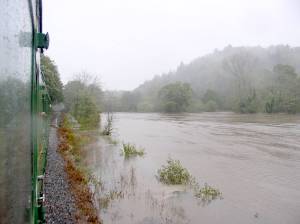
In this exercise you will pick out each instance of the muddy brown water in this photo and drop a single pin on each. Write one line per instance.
(254, 160)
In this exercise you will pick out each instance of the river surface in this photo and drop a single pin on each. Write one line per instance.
(254, 160)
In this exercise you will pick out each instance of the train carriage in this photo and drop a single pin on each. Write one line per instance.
(24, 112)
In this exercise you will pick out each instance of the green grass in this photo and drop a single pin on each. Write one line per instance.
(131, 150)
(208, 193)
(109, 197)
(110, 139)
(108, 127)
(114, 142)
(173, 173)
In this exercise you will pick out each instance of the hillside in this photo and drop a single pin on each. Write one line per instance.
(243, 79)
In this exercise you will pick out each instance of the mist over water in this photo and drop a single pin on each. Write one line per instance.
(252, 159)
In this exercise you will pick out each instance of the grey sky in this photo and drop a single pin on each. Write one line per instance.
(126, 42)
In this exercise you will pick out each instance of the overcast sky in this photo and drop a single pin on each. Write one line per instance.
(126, 42)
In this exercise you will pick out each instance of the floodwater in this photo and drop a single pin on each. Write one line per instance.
(254, 160)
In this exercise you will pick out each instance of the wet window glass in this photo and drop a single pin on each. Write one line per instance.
(15, 84)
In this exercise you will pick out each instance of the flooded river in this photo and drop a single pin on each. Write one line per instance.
(254, 160)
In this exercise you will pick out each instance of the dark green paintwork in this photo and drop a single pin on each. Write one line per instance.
(40, 119)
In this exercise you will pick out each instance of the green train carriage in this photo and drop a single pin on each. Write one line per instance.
(24, 112)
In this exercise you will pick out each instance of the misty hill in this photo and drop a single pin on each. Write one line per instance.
(244, 79)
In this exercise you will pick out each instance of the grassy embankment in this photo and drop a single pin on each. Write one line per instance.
(70, 147)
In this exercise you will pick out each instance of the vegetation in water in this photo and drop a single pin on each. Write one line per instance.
(110, 140)
(108, 127)
(207, 193)
(113, 141)
(125, 187)
(173, 173)
(105, 200)
(131, 150)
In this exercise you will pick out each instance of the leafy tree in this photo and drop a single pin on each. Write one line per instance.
(241, 79)
(175, 97)
(85, 111)
(284, 91)
(249, 104)
(129, 101)
(210, 106)
(72, 90)
(195, 106)
(52, 79)
(211, 96)
(82, 100)
(145, 107)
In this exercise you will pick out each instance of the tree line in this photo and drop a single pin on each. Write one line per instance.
(81, 96)
(240, 79)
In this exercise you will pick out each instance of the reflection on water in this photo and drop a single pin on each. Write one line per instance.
(254, 160)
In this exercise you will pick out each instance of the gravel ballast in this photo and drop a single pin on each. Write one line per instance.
(59, 202)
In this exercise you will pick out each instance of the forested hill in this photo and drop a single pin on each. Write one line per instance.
(243, 79)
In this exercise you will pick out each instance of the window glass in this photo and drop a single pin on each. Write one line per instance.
(15, 84)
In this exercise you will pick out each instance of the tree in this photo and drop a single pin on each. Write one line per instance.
(175, 97)
(82, 100)
(285, 91)
(52, 79)
(72, 90)
(240, 66)
(129, 101)
(210, 106)
(249, 104)
(237, 78)
(85, 112)
(211, 96)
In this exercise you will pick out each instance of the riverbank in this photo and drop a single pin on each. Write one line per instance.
(59, 203)
(68, 196)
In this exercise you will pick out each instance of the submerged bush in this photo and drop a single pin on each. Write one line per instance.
(107, 130)
(208, 193)
(130, 150)
(173, 173)
(109, 197)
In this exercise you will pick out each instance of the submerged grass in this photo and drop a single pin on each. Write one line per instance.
(110, 139)
(131, 150)
(105, 200)
(70, 149)
(173, 173)
(208, 193)
(108, 127)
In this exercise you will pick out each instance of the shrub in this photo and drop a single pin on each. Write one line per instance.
(107, 130)
(208, 193)
(210, 106)
(130, 150)
(173, 173)
(86, 112)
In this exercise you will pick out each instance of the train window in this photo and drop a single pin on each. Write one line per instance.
(15, 107)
